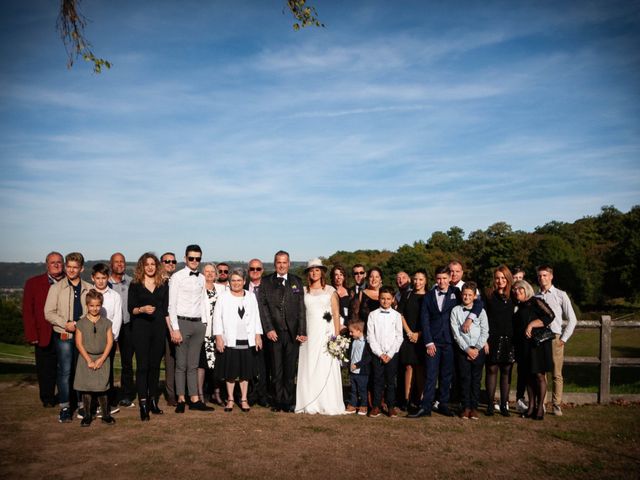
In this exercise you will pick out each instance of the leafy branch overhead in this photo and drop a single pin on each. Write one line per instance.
(306, 16)
(71, 25)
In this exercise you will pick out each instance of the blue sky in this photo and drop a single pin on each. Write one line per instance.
(220, 125)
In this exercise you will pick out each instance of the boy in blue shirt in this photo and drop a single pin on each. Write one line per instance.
(359, 367)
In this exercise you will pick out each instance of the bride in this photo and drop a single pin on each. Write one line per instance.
(319, 385)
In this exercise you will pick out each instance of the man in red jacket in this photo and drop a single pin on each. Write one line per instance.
(37, 330)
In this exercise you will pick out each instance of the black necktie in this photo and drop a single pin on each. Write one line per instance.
(281, 281)
(194, 273)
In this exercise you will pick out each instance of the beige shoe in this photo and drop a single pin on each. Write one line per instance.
(557, 411)
(362, 410)
(351, 409)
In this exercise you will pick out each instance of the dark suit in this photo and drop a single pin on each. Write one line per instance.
(436, 329)
(259, 393)
(36, 328)
(282, 310)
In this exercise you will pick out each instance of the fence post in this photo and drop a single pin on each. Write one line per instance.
(605, 359)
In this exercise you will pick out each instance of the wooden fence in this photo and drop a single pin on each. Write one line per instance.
(605, 360)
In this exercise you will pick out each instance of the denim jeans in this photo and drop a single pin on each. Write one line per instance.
(66, 353)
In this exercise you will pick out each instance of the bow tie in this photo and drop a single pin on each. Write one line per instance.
(384, 311)
(441, 293)
(194, 273)
(466, 309)
(281, 280)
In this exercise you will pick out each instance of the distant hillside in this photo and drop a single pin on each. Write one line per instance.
(15, 274)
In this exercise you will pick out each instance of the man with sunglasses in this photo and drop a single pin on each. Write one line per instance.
(359, 277)
(187, 313)
(119, 282)
(259, 393)
(222, 275)
(169, 263)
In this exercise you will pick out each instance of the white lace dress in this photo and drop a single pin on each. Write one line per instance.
(319, 384)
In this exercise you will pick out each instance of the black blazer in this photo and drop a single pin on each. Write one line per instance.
(365, 362)
(282, 308)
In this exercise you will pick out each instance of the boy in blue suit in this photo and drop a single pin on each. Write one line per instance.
(436, 334)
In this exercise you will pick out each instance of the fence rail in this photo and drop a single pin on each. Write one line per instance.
(605, 360)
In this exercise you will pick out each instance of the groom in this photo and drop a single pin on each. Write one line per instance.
(281, 300)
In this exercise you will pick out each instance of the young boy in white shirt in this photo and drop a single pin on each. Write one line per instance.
(384, 335)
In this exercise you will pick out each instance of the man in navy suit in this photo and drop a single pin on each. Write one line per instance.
(436, 334)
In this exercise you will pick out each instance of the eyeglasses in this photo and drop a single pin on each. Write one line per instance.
(358, 273)
(174, 262)
(223, 271)
(255, 269)
(194, 259)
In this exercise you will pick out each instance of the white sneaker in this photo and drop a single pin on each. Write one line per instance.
(114, 410)
(521, 407)
(99, 412)
(557, 410)
(436, 404)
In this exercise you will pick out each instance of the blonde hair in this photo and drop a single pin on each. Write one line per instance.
(526, 286)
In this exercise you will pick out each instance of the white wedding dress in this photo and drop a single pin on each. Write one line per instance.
(319, 384)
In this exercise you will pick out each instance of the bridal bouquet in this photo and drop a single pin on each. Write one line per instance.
(338, 347)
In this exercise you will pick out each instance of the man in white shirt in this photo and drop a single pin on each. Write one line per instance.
(188, 315)
(559, 302)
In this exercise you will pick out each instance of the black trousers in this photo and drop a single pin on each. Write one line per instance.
(284, 359)
(260, 381)
(148, 343)
(384, 381)
(46, 369)
(470, 374)
(125, 344)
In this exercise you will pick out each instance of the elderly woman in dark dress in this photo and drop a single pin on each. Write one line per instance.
(532, 314)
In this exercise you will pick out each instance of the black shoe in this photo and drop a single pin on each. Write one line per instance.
(276, 408)
(289, 409)
(125, 402)
(263, 402)
(504, 411)
(180, 407)
(422, 412)
(200, 406)
(86, 421)
(144, 411)
(490, 410)
(538, 417)
(443, 410)
(153, 407)
(244, 406)
(109, 420)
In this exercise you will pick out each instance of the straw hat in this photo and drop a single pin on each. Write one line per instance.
(313, 263)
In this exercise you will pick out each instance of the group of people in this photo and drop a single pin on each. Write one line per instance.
(238, 338)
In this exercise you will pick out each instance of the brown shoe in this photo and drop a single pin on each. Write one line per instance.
(375, 412)
(465, 414)
(474, 415)
(351, 409)
(393, 413)
(362, 410)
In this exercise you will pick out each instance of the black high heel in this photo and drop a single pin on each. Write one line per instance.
(243, 408)
(144, 411)
(228, 408)
(153, 407)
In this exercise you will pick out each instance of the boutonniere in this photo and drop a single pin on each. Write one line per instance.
(327, 316)
(295, 288)
(453, 296)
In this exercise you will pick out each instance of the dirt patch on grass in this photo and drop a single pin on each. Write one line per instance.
(587, 442)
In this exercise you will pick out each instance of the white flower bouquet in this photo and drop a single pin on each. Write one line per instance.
(338, 346)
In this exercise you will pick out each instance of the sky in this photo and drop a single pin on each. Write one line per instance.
(218, 124)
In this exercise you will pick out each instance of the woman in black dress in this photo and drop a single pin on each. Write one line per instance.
(338, 277)
(532, 314)
(412, 350)
(367, 301)
(148, 304)
(499, 349)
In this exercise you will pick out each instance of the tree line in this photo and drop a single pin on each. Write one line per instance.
(595, 258)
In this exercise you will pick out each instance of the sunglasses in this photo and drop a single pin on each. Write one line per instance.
(223, 271)
(174, 262)
(255, 269)
(358, 273)
(194, 259)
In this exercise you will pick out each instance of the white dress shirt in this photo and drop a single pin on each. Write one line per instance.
(186, 295)
(112, 309)
(559, 302)
(384, 332)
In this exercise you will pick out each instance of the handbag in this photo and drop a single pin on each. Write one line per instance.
(541, 335)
